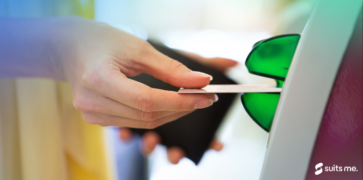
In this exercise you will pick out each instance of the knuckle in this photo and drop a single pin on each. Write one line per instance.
(175, 65)
(145, 103)
(149, 116)
(79, 103)
(82, 103)
(143, 49)
(90, 79)
(91, 119)
(180, 106)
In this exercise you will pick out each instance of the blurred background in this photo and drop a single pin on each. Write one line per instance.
(210, 28)
(43, 137)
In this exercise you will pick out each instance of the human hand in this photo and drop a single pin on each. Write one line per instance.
(151, 139)
(96, 60)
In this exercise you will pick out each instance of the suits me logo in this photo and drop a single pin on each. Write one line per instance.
(335, 168)
(318, 168)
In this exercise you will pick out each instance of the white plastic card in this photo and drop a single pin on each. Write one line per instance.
(232, 89)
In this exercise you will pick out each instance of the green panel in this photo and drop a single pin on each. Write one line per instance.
(279, 83)
(261, 107)
(269, 58)
(272, 57)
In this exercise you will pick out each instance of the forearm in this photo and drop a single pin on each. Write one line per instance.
(26, 47)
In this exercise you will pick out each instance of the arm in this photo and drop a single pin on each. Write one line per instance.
(96, 60)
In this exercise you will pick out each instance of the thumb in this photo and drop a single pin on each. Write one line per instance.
(171, 71)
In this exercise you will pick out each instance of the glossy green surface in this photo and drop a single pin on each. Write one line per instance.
(279, 83)
(261, 107)
(269, 58)
(272, 57)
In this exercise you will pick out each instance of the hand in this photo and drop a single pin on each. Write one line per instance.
(151, 139)
(96, 60)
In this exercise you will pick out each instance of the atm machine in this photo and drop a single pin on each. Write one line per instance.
(317, 128)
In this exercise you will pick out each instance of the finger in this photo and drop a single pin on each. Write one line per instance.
(216, 145)
(93, 102)
(213, 97)
(115, 85)
(221, 64)
(107, 120)
(162, 100)
(171, 71)
(149, 141)
(125, 134)
(175, 154)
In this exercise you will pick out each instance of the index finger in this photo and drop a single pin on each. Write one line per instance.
(115, 85)
(140, 96)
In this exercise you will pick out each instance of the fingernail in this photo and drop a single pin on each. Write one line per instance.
(203, 74)
(216, 98)
(203, 104)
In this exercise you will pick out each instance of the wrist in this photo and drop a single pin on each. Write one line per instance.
(62, 41)
(68, 41)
